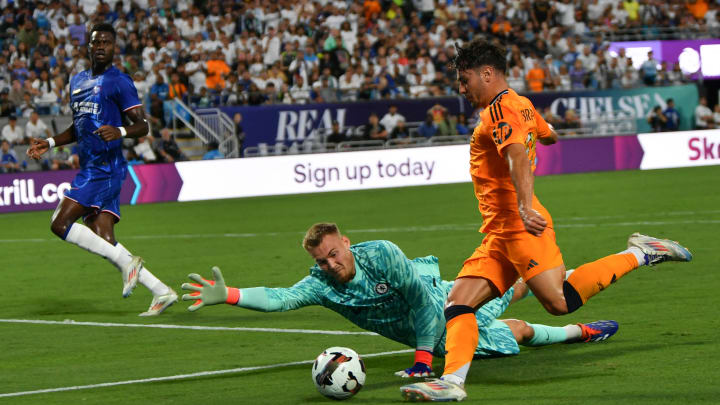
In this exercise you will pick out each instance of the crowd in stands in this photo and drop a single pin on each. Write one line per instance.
(288, 51)
(299, 51)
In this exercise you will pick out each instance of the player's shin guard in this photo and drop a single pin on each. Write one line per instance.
(462, 339)
(591, 278)
(81, 235)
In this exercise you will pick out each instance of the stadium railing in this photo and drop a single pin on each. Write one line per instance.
(656, 33)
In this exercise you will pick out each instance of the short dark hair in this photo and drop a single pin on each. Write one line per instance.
(478, 53)
(103, 27)
(314, 236)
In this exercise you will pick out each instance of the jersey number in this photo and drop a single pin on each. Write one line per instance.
(501, 133)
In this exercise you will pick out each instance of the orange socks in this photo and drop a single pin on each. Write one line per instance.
(591, 278)
(461, 342)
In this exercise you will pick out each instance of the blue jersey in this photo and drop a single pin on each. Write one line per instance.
(396, 297)
(97, 101)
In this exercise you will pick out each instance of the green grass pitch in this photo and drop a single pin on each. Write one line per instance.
(666, 350)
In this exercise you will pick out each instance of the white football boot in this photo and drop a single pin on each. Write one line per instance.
(659, 250)
(160, 303)
(434, 390)
(130, 274)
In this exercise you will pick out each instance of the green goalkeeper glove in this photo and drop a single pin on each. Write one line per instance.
(208, 292)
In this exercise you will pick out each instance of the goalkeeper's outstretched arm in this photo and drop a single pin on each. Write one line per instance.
(212, 292)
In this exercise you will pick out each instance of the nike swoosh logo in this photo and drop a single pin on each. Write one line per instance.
(77, 91)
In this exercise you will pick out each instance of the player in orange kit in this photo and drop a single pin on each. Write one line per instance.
(520, 240)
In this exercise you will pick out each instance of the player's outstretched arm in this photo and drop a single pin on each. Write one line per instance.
(207, 292)
(40, 146)
(523, 180)
(307, 291)
(138, 129)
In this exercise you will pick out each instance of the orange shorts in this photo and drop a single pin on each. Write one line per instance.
(502, 258)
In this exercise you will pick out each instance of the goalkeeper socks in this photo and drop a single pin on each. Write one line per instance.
(82, 236)
(591, 278)
(146, 278)
(547, 335)
(462, 339)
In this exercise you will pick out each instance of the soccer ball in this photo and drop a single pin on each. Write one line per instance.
(338, 373)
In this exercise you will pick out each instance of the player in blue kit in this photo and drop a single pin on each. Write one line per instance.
(102, 99)
(376, 287)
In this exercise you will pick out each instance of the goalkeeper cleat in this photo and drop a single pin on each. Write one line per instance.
(597, 331)
(435, 390)
(130, 274)
(160, 303)
(659, 250)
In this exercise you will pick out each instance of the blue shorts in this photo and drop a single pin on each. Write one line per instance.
(97, 190)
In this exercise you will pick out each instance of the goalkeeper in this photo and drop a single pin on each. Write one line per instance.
(376, 287)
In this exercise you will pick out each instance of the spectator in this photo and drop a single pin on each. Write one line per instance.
(515, 79)
(570, 123)
(12, 132)
(176, 89)
(716, 115)
(578, 75)
(703, 115)
(300, 92)
(400, 131)
(60, 158)
(656, 119)
(36, 128)
(374, 129)
(217, 70)
(462, 127)
(676, 76)
(143, 150)
(391, 118)
(672, 115)
(160, 90)
(536, 77)
(28, 105)
(8, 159)
(427, 129)
(6, 106)
(562, 81)
(213, 152)
(239, 131)
(649, 70)
(336, 135)
(169, 149)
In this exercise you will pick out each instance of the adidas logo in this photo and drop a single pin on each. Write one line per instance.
(532, 264)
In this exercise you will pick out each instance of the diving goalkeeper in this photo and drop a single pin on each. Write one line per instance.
(376, 287)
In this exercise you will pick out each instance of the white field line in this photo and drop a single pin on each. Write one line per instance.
(165, 326)
(428, 228)
(183, 376)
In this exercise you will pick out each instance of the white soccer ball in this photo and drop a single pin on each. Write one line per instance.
(338, 373)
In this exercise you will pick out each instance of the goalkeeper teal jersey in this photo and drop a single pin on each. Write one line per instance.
(396, 297)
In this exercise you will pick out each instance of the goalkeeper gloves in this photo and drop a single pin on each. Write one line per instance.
(207, 292)
(421, 368)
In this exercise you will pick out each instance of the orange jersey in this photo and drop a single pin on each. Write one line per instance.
(508, 119)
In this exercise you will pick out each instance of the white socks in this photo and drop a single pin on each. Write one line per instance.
(82, 236)
(574, 332)
(639, 255)
(146, 278)
(455, 378)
